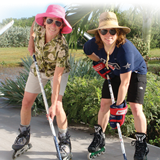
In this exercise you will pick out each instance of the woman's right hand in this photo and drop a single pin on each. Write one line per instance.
(31, 47)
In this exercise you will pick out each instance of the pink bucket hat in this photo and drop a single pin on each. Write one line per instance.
(55, 11)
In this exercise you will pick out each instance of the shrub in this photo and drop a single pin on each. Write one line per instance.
(140, 45)
(15, 37)
(82, 98)
(14, 90)
(152, 108)
(82, 68)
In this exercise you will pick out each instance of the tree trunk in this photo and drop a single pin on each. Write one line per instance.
(146, 30)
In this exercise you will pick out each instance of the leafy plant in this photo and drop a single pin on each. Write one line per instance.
(15, 37)
(14, 90)
(140, 45)
(82, 98)
(82, 68)
(152, 107)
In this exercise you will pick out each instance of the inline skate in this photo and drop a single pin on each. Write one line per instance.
(21, 143)
(141, 149)
(97, 147)
(65, 146)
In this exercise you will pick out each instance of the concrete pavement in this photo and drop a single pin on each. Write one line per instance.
(43, 144)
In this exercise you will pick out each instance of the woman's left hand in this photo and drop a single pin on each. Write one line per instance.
(51, 112)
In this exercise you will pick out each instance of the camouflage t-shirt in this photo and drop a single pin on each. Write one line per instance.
(51, 54)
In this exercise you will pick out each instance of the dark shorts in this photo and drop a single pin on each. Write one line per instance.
(136, 88)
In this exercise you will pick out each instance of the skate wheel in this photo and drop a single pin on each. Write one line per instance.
(21, 151)
(14, 155)
(98, 154)
(29, 145)
(95, 156)
(103, 151)
(89, 156)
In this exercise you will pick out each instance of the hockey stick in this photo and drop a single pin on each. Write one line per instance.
(3, 29)
(118, 126)
(46, 107)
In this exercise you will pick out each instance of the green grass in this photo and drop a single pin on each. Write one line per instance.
(12, 56)
(155, 53)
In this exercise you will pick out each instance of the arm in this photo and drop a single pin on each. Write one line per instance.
(31, 47)
(94, 57)
(123, 88)
(55, 92)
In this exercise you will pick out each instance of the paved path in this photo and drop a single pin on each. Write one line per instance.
(43, 144)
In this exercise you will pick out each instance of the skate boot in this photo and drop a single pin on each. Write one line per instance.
(141, 149)
(21, 143)
(97, 147)
(65, 146)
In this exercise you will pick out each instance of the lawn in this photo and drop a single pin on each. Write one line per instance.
(12, 56)
(155, 52)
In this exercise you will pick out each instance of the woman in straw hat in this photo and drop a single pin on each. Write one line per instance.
(51, 50)
(116, 56)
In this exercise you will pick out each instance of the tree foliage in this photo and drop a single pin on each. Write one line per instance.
(147, 12)
(15, 37)
(84, 17)
(22, 22)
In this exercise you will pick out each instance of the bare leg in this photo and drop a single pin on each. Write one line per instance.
(60, 114)
(139, 117)
(27, 103)
(104, 112)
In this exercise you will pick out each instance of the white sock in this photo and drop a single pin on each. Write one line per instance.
(62, 132)
(23, 127)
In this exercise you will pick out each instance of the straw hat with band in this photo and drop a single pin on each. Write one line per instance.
(54, 11)
(108, 20)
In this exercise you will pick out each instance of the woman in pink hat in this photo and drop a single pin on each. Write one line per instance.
(51, 50)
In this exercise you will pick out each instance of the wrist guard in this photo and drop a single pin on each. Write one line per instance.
(117, 114)
(101, 69)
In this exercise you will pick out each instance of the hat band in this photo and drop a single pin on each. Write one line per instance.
(109, 23)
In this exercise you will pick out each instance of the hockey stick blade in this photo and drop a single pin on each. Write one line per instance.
(3, 29)
(46, 107)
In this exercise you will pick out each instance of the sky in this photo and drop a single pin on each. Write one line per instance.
(29, 8)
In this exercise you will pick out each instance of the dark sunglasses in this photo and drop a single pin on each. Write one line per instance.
(105, 31)
(57, 23)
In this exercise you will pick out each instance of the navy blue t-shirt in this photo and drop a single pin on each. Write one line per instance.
(123, 59)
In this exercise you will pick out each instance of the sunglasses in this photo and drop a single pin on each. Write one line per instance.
(105, 31)
(57, 23)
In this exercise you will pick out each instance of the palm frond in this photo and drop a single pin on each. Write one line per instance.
(77, 11)
(116, 9)
(82, 17)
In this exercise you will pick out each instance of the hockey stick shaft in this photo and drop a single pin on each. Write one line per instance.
(118, 126)
(46, 107)
(7, 26)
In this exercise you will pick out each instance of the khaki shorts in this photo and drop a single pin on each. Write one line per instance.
(32, 85)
